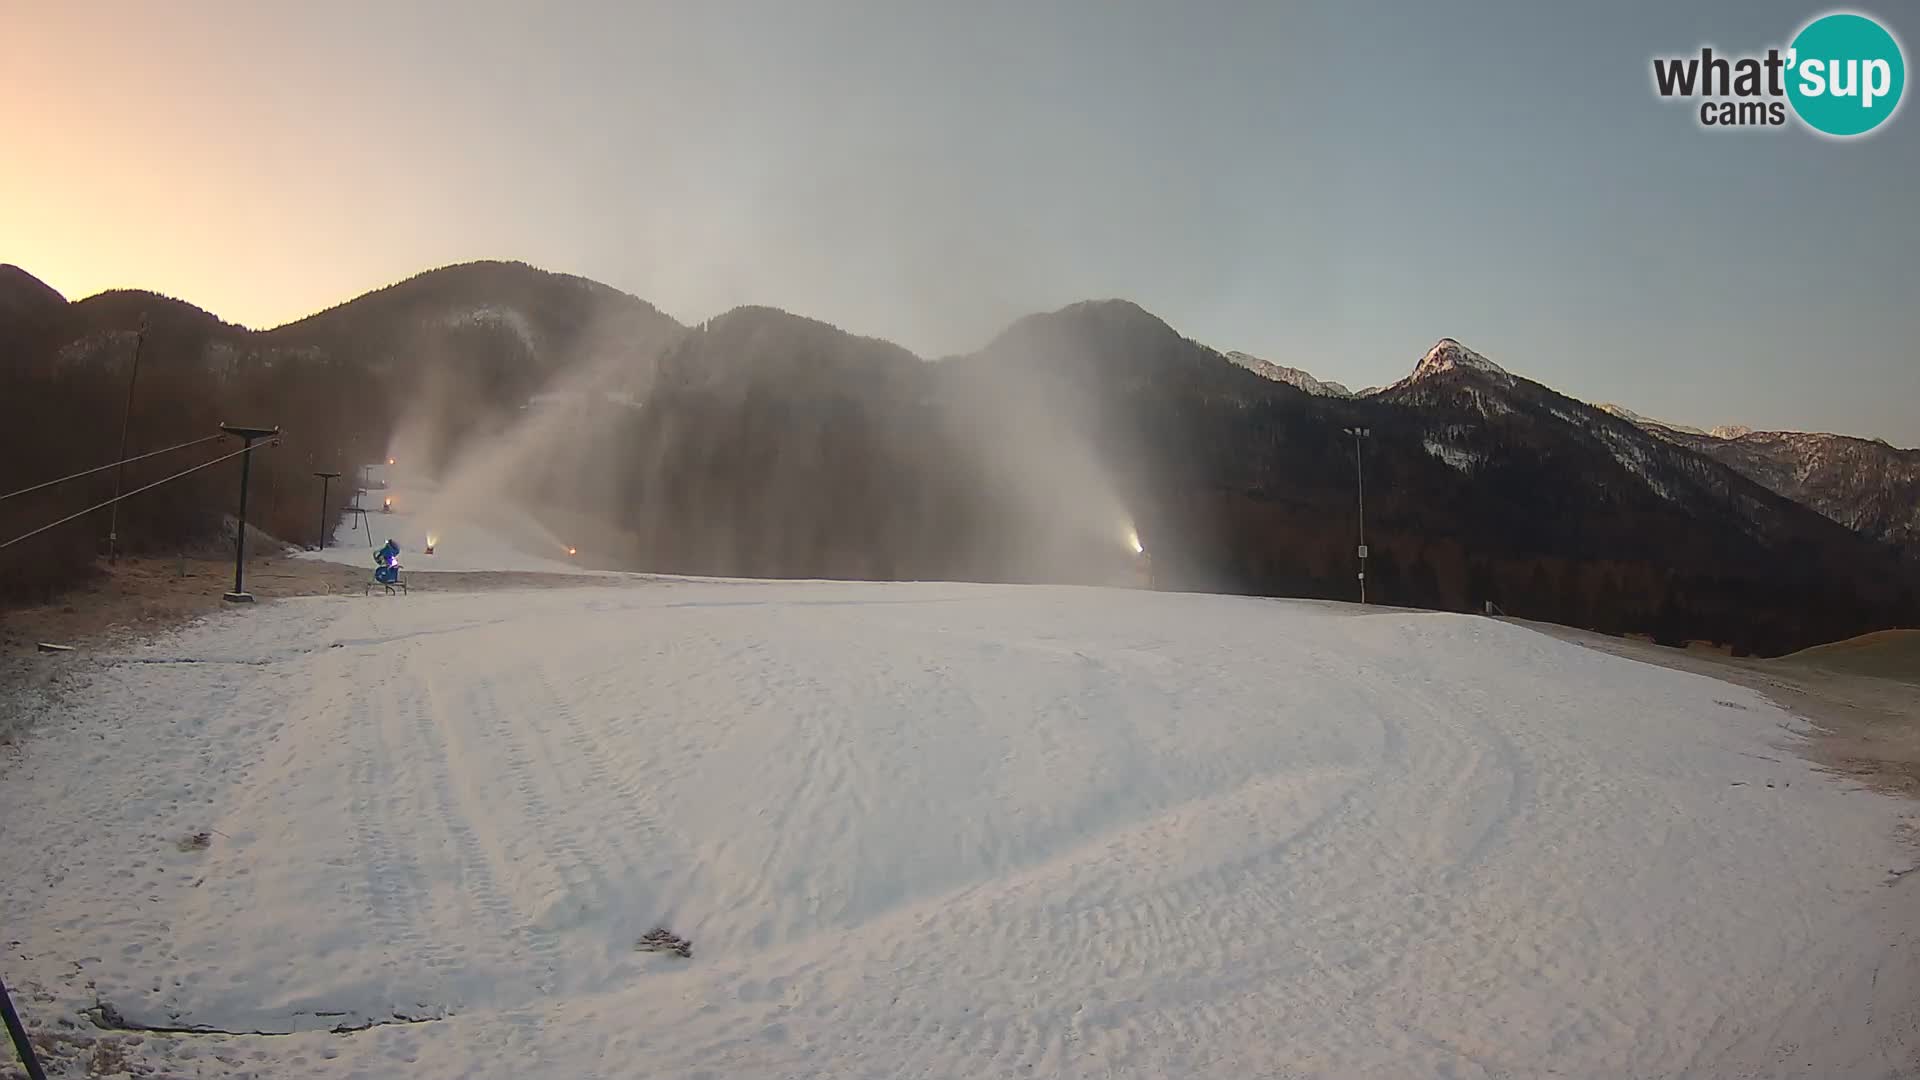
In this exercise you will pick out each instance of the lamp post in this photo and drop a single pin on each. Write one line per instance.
(1360, 477)
(325, 479)
(240, 595)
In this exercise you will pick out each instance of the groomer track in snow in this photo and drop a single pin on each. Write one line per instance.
(944, 831)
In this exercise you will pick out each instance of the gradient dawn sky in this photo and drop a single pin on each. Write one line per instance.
(1330, 186)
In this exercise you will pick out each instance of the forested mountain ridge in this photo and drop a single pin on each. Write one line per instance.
(761, 443)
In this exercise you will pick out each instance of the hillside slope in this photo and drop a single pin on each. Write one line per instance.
(1884, 654)
(1864, 484)
(448, 355)
(23, 297)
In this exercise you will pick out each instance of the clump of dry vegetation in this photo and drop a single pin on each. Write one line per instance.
(660, 939)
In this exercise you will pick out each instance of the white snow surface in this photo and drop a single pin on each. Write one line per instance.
(945, 831)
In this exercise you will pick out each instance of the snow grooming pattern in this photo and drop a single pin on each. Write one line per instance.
(944, 831)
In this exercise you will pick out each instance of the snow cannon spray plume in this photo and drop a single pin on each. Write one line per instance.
(1142, 562)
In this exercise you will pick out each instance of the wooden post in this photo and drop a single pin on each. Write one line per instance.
(19, 1032)
(126, 421)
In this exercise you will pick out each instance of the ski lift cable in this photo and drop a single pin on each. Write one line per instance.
(130, 494)
(108, 465)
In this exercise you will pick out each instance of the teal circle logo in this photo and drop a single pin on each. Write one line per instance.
(1845, 74)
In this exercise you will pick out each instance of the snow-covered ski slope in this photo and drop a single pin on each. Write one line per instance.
(469, 535)
(946, 831)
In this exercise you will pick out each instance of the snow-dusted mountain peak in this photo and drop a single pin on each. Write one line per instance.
(1448, 355)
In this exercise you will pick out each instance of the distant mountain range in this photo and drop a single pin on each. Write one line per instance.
(767, 444)
(1292, 376)
(1865, 484)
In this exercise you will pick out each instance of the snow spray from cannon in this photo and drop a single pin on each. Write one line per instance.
(496, 484)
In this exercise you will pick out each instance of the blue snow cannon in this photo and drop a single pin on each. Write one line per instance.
(386, 568)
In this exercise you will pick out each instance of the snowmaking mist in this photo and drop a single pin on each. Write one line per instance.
(515, 473)
(766, 445)
(1043, 453)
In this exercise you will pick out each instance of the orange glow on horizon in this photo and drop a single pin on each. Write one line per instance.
(132, 163)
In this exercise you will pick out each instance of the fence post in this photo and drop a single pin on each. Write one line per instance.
(19, 1033)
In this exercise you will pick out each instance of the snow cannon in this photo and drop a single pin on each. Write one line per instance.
(1142, 562)
(386, 563)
